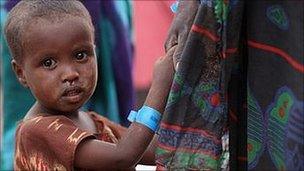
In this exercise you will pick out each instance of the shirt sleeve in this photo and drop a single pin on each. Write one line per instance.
(116, 129)
(48, 143)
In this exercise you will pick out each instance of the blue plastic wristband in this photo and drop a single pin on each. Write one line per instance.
(132, 116)
(149, 117)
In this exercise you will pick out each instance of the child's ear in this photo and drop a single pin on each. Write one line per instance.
(19, 72)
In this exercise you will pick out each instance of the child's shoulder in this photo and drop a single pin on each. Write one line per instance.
(44, 122)
(52, 139)
(48, 126)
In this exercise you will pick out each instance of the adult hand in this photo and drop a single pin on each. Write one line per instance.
(180, 28)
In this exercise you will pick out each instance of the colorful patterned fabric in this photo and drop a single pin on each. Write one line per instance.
(196, 113)
(114, 96)
(275, 85)
(241, 69)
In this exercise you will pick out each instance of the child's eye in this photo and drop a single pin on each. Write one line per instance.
(49, 63)
(81, 56)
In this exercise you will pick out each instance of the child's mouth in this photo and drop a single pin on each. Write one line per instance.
(73, 94)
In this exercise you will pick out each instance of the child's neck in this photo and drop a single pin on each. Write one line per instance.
(80, 119)
(39, 110)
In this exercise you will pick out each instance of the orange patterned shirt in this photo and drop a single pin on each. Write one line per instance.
(49, 142)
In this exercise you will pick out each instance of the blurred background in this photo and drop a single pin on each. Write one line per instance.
(152, 20)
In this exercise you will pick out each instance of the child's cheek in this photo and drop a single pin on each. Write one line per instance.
(90, 75)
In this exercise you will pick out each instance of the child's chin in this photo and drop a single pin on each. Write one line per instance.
(71, 107)
(74, 99)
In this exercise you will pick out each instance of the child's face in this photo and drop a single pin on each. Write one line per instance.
(59, 64)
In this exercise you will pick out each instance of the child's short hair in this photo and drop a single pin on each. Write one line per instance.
(25, 11)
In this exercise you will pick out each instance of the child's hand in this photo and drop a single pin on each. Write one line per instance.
(161, 82)
(164, 70)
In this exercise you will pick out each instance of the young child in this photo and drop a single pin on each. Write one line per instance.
(52, 45)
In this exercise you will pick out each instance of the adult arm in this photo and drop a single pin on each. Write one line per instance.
(180, 28)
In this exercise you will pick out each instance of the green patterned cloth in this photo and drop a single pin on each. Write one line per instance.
(241, 69)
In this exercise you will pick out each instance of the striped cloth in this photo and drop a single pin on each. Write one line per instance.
(241, 69)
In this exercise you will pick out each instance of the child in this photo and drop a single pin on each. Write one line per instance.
(52, 45)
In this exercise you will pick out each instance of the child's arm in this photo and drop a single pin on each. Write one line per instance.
(96, 155)
(149, 155)
(118, 130)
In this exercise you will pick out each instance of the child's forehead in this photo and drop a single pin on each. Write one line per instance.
(44, 36)
(50, 26)
(64, 19)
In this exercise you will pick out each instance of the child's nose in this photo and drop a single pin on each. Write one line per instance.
(70, 75)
